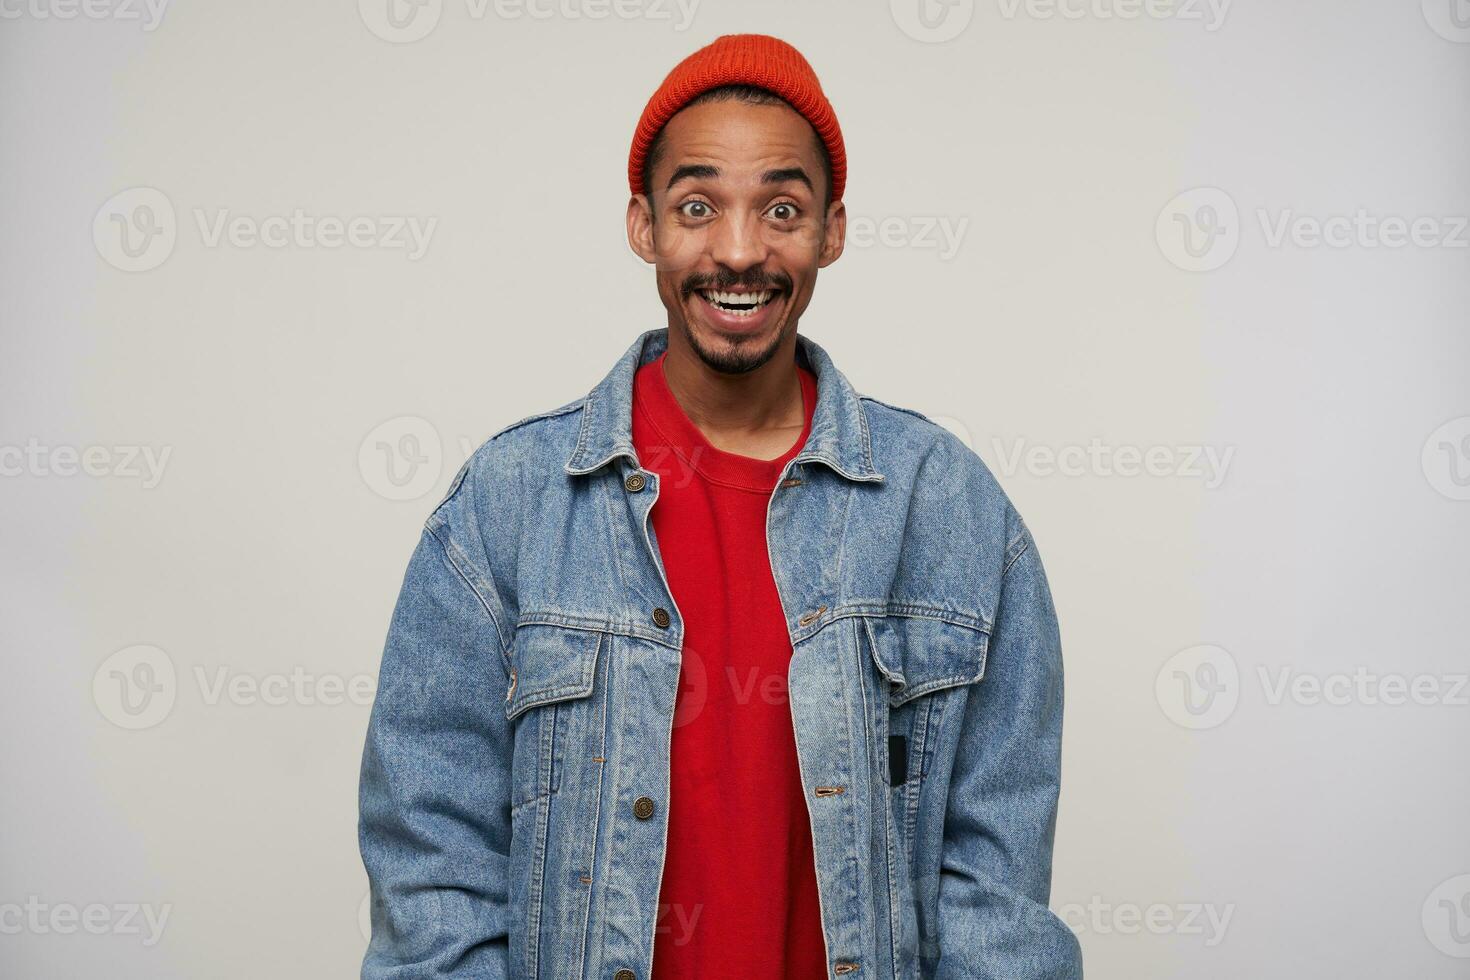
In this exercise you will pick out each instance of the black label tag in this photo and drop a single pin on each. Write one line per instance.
(898, 759)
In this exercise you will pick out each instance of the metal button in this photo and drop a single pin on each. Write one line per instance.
(624, 975)
(643, 807)
(634, 482)
(661, 617)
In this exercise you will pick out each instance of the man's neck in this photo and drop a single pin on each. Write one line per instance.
(758, 413)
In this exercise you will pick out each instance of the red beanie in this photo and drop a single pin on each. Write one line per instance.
(753, 59)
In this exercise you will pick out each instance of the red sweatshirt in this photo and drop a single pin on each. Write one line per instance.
(739, 891)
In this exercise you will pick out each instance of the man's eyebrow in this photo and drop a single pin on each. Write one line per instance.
(705, 171)
(787, 173)
(693, 171)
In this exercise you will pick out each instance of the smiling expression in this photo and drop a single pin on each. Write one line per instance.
(736, 226)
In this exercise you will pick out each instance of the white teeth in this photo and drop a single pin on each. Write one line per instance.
(760, 298)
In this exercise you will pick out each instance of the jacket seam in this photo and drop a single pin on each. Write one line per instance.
(1025, 545)
(450, 549)
(875, 738)
(551, 413)
(899, 408)
(878, 607)
(615, 627)
(951, 617)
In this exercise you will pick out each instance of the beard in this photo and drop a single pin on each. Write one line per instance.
(741, 358)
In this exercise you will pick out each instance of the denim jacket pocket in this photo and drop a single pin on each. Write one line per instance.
(553, 669)
(920, 659)
(919, 654)
(920, 665)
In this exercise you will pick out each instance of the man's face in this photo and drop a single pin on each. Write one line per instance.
(734, 221)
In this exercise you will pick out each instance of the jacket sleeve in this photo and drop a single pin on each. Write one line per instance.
(1000, 818)
(434, 796)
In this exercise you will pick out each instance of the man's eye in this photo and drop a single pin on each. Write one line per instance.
(783, 211)
(695, 209)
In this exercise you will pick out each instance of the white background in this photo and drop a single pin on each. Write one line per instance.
(1213, 823)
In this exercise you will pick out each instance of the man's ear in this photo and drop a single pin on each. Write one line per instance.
(640, 228)
(834, 234)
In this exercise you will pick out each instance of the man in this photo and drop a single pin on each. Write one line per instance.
(722, 670)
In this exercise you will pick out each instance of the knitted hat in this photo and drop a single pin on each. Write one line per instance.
(753, 59)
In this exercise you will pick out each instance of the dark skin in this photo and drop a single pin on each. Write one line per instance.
(736, 205)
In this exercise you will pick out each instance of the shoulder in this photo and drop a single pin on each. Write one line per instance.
(479, 519)
(909, 440)
(537, 428)
(882, 407)
(532, 447)
(544, 434)
(939, 470)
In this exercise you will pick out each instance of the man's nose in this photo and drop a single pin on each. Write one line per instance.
(737, 242)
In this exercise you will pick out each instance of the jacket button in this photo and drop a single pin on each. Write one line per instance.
(633, 484)
(661, 617)
(624, 975)
(642, 809)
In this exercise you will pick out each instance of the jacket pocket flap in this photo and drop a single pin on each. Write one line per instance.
(550, 663)
(920, 654)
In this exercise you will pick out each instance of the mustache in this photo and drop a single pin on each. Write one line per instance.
(729, 279)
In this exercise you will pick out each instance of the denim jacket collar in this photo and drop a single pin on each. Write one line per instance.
(839, 435)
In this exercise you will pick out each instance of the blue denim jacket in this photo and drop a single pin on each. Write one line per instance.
(522, 723)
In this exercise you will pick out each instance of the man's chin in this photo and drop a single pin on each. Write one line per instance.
(732, 352)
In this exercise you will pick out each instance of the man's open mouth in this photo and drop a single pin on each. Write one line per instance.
(739, 304)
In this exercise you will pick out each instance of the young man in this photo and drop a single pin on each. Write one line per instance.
(723, 670)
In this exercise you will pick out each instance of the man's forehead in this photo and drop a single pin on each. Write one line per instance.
(740, 138)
